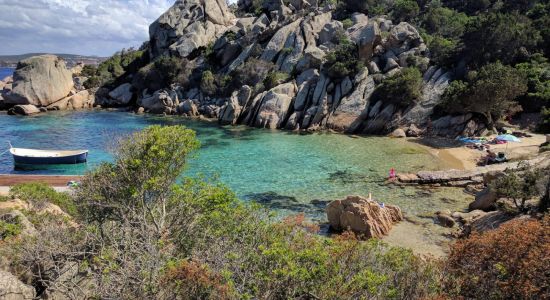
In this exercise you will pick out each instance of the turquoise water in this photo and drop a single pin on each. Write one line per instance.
(284, 170)
(5, 72)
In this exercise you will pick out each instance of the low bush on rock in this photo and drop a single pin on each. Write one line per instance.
(510, 262)
(113, 71)
(402, 89)
(343, 61)
(38, 193)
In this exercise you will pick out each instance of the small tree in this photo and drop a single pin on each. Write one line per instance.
(519, 186)
(490, 91)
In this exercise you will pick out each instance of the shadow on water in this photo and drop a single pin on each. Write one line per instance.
(273, 200)
(348, 176)
(52, 169)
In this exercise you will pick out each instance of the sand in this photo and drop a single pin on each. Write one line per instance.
(455, 155)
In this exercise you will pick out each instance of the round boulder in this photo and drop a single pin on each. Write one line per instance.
(40, 80)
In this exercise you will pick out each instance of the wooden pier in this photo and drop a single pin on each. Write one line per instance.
(51, 180)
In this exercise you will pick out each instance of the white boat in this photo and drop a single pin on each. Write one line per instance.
(23, 156)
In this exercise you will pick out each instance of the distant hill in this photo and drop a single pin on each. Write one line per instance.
(71, 59)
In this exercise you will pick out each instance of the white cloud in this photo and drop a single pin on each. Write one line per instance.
(91, 27)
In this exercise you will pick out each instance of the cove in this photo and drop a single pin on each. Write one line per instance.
(284, 170)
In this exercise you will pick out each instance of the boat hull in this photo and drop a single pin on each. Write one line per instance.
(61, 160)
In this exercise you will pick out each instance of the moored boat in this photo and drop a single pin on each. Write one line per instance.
(23, 156)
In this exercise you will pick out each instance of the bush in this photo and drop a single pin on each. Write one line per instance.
(405, 10)
(544, 125)
(342, 61)
(510, 262)
(115, 70)
(38, 193)
(499, 37)
(402, 89)
(519, 186)
(273, 79)
(490, 92)
(208, 86)
(443, 51)
(9, 229)
(537, 72)
(251, 73)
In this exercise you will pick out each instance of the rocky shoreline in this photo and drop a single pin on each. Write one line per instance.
(297, 40)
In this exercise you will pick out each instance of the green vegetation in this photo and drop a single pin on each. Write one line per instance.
(545, 123)
(490, 92)
(10, 229)
(114, 70)
(275, 78)
(405, 10)
(402, 89)
(38, 193)
(343, 61)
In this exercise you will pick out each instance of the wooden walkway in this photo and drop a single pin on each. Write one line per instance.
(51, 180)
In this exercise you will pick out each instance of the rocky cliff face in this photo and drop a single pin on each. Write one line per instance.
(296, 38)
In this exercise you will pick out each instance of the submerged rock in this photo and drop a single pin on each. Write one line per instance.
(363, 216)
(24, 110)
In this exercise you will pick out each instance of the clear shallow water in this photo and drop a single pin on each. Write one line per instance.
(286, 171)
(5, 72)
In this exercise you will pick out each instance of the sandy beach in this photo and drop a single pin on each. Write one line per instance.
(455, 154)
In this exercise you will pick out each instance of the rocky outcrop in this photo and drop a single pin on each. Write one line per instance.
(363, 216)
(40, 81)
(11, 288)
(24, 110)
(188, 25)
(273, 106)
(159, 103)
(122, 95)
(80, 100)
(485, 200)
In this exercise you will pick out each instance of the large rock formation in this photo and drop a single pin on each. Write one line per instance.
(12, 288)
(293, 38)
(40, 80)
(363, 216)
(188, 25)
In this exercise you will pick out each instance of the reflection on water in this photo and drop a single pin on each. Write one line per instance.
(283, 170)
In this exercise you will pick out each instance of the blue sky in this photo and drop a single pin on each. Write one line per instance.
(89, 27)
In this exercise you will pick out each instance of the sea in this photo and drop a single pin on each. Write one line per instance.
(286, 171)
(5, 72)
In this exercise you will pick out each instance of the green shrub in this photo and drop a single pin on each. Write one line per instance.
(275, 78)
(343, 61)
(39, 193)
(405, 10)
(115, 69)
(544, 125)
(402, 89)
(9, 229)
(537, 72)
(208, 84)
(499, 37)
(347, 23)
(251, 73)
(490, 91)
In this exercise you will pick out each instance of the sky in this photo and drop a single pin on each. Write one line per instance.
(87, 27)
